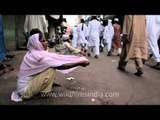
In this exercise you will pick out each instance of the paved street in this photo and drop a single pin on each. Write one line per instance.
(98, 84)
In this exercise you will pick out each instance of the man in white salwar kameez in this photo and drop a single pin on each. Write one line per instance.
(108, 35)
(82, 35)
(94, 29)
(153, 33)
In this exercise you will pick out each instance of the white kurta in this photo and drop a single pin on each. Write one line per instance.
(94, 29)
(153, 33)
(35, 21)
(108, 35)
(82, 34)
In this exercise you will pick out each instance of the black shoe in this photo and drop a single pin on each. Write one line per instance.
(153, 66)
(121, 68)
(89, 55)
(101, 49)
(85, 50)
(156, 67)
(109, 54)
(96, 56)
(10, 56)
(139, 73)
(150, 55)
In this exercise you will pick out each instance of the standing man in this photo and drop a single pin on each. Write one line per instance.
(36, 21)
(94, 29)
(108, 36)
(82, 34)
(153, 33)
(116, 42)
(135, 42)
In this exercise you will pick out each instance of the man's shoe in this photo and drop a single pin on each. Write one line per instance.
(156, 67)
(150, 55)
(85, 50)
(96, 56)
(109, 54)
(121, 68)
(139, 73)
(89, 55)
(118, 54)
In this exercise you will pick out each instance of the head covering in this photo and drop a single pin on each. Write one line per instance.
(55, 16)
(37, 59)
(116, 19)
(65, 37)
(34, 43)
(109, 20)
(110, 27)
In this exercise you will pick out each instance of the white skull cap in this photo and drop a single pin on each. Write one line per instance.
(116, 19)
(109, 20)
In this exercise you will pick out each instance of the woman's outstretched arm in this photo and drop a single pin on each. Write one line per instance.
(71, 65)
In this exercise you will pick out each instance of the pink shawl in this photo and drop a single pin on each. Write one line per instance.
(37, 59)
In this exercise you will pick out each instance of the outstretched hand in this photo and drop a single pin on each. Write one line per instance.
(84, 63)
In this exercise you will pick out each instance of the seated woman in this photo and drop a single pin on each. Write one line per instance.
(37, 71)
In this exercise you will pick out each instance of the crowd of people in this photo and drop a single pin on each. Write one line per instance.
(136, 40)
